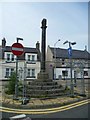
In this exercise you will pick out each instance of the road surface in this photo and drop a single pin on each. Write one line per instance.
(77, 112)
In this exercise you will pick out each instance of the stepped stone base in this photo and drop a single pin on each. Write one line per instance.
(43, 76)
(44, 87)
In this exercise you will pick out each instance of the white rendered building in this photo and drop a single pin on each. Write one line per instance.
(28, 63)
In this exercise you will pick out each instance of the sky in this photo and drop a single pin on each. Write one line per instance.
(65, 21)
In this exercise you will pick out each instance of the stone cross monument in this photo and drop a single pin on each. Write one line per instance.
(43, 75)
(43, 86)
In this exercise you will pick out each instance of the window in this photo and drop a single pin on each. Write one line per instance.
(85, 73)
(29, 57)
(65, 73)
(7, 72)
(28, 74)
(8, 57)
(12, 57)
(33, 72)
(63, 61)
(33, 57)
(12, 70)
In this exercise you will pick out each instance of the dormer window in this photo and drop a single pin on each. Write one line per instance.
(29, 57)
(33, 57)
(12, 57)
(8, 57)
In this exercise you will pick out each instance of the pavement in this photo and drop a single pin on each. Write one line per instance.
(36, 103)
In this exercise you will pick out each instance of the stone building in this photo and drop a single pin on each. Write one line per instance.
(58, 63)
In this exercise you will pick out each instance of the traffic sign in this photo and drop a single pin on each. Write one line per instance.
(17, 49)
(70, 51)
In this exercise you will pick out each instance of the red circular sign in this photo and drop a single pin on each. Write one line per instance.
(17, 49)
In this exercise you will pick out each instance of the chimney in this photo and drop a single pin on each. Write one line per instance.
(3, 42)
(38, 45)
(85, 48)
(38, 50)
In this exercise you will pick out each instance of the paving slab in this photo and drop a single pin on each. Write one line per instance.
(54, 101)
(37, 102)
(45, 102)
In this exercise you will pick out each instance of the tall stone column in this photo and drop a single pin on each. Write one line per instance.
(43, 45)
(43, 75)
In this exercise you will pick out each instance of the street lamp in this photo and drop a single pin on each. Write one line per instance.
(55, 58)
(16, 84)
(70, 58)
(23, 76)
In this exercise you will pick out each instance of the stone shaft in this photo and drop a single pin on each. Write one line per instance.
(43, 45)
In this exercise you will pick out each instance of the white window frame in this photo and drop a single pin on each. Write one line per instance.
(33, 72)
(8, 56)
(31, 57)
(30, 73)
(10, 71)
(7, 73)
(12, 57)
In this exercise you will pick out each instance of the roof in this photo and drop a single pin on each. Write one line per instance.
(76, 54)
(26, 50)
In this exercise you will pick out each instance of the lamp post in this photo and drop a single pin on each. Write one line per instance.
(82, 79)
(24, 82)
(22, 78)
(70, 58)
(16, 84)
(55, 57)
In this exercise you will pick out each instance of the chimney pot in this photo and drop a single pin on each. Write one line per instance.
(3, 42)
(37, 45)
(85, 47)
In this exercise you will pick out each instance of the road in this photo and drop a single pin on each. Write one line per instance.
(77, 112)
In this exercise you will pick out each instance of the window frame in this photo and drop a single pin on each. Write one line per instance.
(8, 58)
(85, 73)
(7, 73)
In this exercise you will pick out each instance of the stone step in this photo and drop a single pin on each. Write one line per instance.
(42, 83)
(40, 87)
(44, 88)
(37, 91)
(47, 95)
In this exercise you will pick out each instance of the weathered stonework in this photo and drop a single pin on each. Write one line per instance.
(43, 86)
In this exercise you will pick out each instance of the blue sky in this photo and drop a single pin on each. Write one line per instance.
(65, 21)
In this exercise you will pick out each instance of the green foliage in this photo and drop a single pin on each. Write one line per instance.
(20, 86)
(67, 88)
(11, 84)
